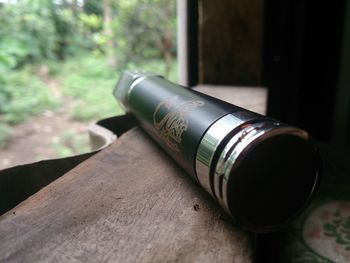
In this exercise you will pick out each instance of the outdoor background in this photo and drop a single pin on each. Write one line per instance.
(59, 62)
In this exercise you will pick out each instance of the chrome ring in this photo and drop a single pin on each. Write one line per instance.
(212, 138)
(239, 146)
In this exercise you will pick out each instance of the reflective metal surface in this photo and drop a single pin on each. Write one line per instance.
(210, 142)
(239, 145)
(261, 171)
(126, 84)
(228, 141)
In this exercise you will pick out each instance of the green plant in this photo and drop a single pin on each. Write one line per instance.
(27, 32)
(22, 95)
(70, 143)
(90, 82)
(70, 40)
(153, 22)
(5, 133)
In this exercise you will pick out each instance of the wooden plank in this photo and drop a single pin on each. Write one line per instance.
(250, 98)
(128, 203)
(230, 42)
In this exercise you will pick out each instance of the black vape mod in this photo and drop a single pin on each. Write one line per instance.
(263, 172)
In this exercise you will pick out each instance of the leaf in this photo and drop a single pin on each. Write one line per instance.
(330, 227)
(346, 224)
(341, 241)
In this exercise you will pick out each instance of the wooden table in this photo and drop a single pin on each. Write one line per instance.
(128, 203)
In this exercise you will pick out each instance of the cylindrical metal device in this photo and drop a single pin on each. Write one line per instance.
(263, 172)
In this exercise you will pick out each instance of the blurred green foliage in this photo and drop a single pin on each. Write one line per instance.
(145, 29)
(27, 33)
(5, 132)
(83, 46)
(90, 81)
(34, 30)
(70, 143)
(22, 95)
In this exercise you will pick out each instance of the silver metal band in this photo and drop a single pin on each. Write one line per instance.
(239, 134)
(217, 132)
(127, 99)
(239, 146)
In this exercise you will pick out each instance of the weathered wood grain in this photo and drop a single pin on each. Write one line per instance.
(128, 203)
(250, 98)
(230, 42)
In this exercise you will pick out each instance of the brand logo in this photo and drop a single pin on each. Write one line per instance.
(171, 119)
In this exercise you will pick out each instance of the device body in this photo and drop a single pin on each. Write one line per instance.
(261, 171)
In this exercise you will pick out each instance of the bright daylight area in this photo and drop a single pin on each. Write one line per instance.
(59, 62)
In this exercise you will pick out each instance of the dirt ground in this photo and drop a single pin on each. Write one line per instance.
(36, 138)
(48, 135)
